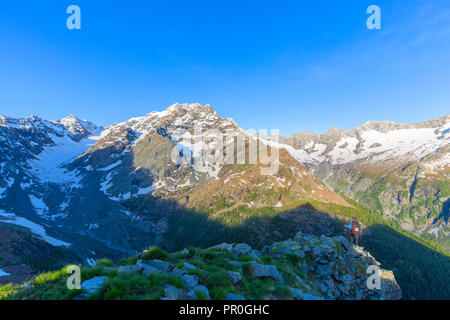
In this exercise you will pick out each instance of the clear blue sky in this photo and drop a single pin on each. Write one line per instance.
(293, 65)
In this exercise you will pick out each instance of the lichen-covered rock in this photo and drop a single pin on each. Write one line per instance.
(287, 247)
(390, 290)
(303, 268)
(241, 249)
(223, 246)
(266, 271)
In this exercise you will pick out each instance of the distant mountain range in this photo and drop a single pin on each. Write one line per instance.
(400, 170)
(82, 192)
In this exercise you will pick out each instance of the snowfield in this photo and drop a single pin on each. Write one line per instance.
(3, 273)
(35, 228)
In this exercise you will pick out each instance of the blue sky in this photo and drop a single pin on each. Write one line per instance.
(292, 65)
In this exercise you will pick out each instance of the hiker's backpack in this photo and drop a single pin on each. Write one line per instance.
(355, 226)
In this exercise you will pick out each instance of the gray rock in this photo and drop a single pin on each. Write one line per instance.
(346, 282)
(26, 286)
(358, 294)
(324, 253)
(187, 266)
(178, 272)
(91, 286)
(267, 271)
(233, 296)
(287, 247)
(241, 249)
(191, 281)
(131, 268)
(298, 294)
(323, 270)
(162, 266)
(185, 270)
(343, 242)
(223, 246)
(109, 269)
(234, 263)
(328, 288)
(192, 295)
(298, 236)
(185, 251)
(235, 276)
(173, 293)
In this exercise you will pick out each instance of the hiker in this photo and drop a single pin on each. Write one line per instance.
(354, 229)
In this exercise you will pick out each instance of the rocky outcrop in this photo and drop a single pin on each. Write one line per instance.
(303, 268)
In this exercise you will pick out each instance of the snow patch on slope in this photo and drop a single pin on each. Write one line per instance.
(38, 204)
(35, 228)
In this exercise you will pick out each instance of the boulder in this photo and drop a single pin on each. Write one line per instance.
(303, 266)
(233, 296)
(390, 290)
(187, 266)
(267, 271)
(191, 281)
(234, 263)
(173, 293)
(91, 286)
(162, 266)
(286, 247)
(235, 276)
(130, 268)
(298, 294)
